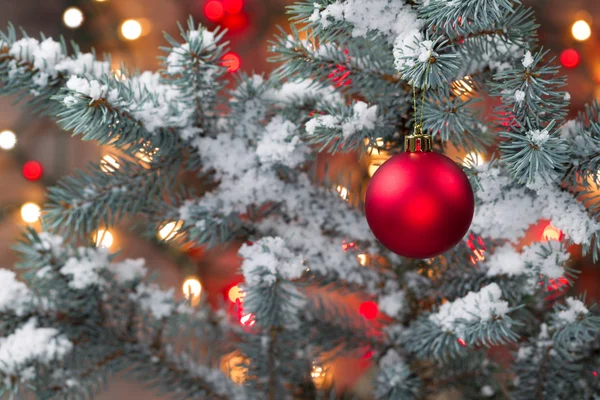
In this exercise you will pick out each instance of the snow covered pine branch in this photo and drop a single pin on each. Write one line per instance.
(251, 144)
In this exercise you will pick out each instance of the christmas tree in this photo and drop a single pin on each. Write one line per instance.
(207, 161)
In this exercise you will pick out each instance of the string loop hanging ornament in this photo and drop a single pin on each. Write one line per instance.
(419, 203)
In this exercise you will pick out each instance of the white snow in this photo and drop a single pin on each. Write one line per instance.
(15, 296)
(506, 261)
(538, 137)
(304, 91)
(129, 269)
(519, 96)
(407, 49)
(392, 19)
(575, 309)
(362, 118)
(84, 269)
(392, 303)
(480, 306)
(527, 60)
(30, 344)
(89, 88)
(268, 259)
(151, 298)
(280, 144)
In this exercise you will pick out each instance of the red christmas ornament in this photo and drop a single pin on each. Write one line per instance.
(419, 203)
(32, 170)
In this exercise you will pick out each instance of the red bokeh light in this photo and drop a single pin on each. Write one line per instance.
(214, 10)
(235, 22)
(232, 61)
(32, 170)
(233, 6)
(569, 58)
(369, 309)
(595, 373)
(462, 342)
(346, 245)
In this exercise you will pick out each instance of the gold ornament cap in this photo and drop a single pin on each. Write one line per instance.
(418, 142)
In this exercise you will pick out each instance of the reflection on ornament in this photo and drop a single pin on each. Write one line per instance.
(192, 288)
(170, 230)
(234, 366)
(109, 164)
(103, 238)
(552, 233)
(30, 212)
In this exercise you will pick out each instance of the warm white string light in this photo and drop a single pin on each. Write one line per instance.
(73, 17)
(8, 140)
(104, 238)
(30, 212)
(131, 29)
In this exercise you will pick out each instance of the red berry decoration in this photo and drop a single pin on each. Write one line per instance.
(419, 204)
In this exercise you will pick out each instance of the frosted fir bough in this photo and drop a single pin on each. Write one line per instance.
(217, 159)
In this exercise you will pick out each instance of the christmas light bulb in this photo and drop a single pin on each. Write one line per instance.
(73, 17)
(235, 294)
(192, 288)
(30, 212)
(8, 140)
(170, 230)
(551, 233)
(109, 164)
(473, 158)
(104, 238)
(131, 29)
(362, 259)
(318, 374)
(214, 10)
(342, 191)
(581, 30)
(369, 309)
(232, 61)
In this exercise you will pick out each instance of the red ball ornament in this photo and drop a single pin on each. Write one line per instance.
(419, 204)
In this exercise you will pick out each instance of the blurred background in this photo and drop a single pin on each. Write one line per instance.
(34, 152)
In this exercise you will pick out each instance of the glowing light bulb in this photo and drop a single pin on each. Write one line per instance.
(73, 17)
(232, 61)
(8, 140)
(131, 29)
(234, 366)
(318, 374)
(581, 30)
(32, 170)
(235, 294)
(192, 288)
(109, 164)
(214, 10)
(570, 58)
(369, 309)
(373, 167)
(551, 233)
(473, 158)
(343, 192)
(170, 230)
(30, 212)
(362, 259)
(247, 319)
(104, 239)
(462, 342)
